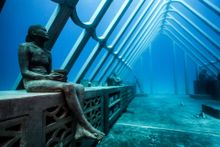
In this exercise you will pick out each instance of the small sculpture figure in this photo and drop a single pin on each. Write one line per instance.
(35, 64)
(113, 80)
(203, 75)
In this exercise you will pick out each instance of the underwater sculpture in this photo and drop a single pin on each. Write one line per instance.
(203, 75)
(35, 64)
(113, 80)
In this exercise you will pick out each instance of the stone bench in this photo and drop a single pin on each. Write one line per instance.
(42, 119)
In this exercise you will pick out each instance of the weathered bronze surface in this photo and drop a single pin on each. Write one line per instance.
(35, 64)
(113, 80)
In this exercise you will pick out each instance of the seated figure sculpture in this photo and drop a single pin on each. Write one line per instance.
(35, 64)
(113, 80)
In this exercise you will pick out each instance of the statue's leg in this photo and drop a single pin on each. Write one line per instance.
(80, 91)
(84, 127)
(72, 93)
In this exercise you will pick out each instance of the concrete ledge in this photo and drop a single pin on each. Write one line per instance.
(43, 119)
(212, 110)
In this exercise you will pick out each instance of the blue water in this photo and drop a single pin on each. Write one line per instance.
(191, 27)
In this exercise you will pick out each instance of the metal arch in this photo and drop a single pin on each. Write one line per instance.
(147, 34)
(94, 55)
(167, 10)
(147, 19)
(179, 13)
(138, 51)
(95, 52)
(134, 27)
(206, 21)
(85, 36)
(191, 56)
(124, 6)
(189, 50)
(116, 63)
(145, 38)
(114, 69)
(137, 39)
(95, 22)
(194, 37)
(128, 69)
(125, 26)
(138, 22)
(85, 67)
(105, 70)
(178, 42)
(134, 58)
(157, 14)
(212, 62)
(195, 45)
(92, 21)
(188, 47)
(138, 54)
(172, 36)
(144, 47)
(211, 6)
(153, 10)
(189, 41)
(113, 23)
(192, 10)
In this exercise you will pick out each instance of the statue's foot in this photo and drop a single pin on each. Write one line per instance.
(82, 132)
(99, 135)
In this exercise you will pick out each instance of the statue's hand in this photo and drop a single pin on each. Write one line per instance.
(56, 76)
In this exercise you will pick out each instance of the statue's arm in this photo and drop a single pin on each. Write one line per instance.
(24, 54)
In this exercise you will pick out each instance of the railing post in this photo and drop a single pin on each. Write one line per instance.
(106, 113)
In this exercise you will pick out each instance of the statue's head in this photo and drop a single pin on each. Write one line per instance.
(37, 32)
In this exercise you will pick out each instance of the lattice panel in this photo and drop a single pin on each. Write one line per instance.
(114, 109)
(95, 117)
(113, 97)
(12, 132)
(93, 111)
(60, 126)
(114, 104)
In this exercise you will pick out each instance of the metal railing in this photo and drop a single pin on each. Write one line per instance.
(43, 119)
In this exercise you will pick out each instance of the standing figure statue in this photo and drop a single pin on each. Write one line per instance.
(35, 64)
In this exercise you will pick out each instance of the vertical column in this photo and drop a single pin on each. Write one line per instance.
(174, 69)
(186, 73)
(151, 69)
